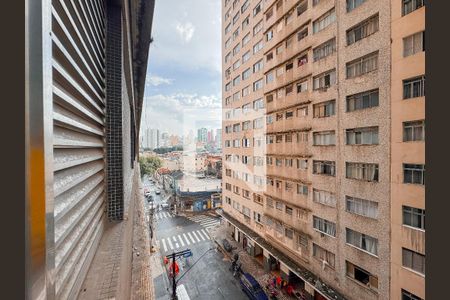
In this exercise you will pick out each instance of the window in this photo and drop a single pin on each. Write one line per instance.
(228, 100)
(269, 77)
(258, 123)
(246, 194)
(289, 233)
(289, 114)
(362, 241)
(409, 296)
(228, 28)
(414, 131)
(302, 112)
(246, 91)
(246, 74)
(236, 127)
(246, 56)
(362, 171)
(302, 86)
(362, 207)
(324, 109)
(289, 17)
(236, 80)
(258, 104)
(258, 199)
(302, 7)
(236, 143)
(414, 44)
(414, 174)
(246, 211)
(246, 39)
(413, 260)
(324, 226)
(258, 46)
(236, 64)
(257, 9)
(246, 125)
(235, 34)
(258, 160)
(362, 30)
(323, 255)
(362, 136)
(302, 164)
(302, 137)
(227, 57)
(269, 35)
(289, 66)
(302, 189)
(269, 13)
(289, 41)
(414, 87)
(302, 60)
(258, 27)
(280, 71)
(269, 56)
(288, 210)
(269, 202)
(324, 167)
(236, 49)
(245, 6)
(288, 162)
(269, 98)
(361, 275)
(228, 43)
(324, 197)
(352, 4)
(324, 49)
(324, 138)
(408, 6)
(289, 89)
(257, 85)
(258, 66)
(414, 217)
(362, 100)
(228, 186)
(269, 120)
(362, 65)
(315, 2)
(324, 21)
(236, 96)
(279, 205)
(245, 159)
(227, 14)
(245, 23)
(302, 34)
(228, 86)
(324, 80)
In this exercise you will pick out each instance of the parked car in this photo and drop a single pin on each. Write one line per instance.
(149, 198)
(157, 192)
(252, 288)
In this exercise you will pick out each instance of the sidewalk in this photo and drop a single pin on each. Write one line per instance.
(249, 264)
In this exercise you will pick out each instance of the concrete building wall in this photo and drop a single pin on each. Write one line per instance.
(412, 195)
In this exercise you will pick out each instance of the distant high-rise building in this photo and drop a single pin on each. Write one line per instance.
(218, 138)
(202, 135)
(153, 138)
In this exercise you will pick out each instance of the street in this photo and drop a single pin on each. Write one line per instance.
(210, 277)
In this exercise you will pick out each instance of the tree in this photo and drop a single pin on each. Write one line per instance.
(149, 165)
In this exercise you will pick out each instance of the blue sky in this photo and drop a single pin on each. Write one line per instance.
(183, 87)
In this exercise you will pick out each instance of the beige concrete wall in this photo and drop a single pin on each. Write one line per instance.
(405, 152)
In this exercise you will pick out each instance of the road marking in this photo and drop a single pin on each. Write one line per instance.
(201, 235)
(164, 245)
(209, 223)
(170, 244)
(181, 241)
(187, 240)
(193, 241)
(198, 240)
(204, 232)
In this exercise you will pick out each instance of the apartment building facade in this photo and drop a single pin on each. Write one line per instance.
(86, 66)
(408, 150)
(307, 138)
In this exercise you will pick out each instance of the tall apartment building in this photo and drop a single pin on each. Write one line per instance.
(408, 150)
(307, 139)
(86, 67)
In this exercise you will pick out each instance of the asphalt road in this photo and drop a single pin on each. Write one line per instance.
(209, 278)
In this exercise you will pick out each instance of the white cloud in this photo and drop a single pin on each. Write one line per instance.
(186, 31)
(156, 80)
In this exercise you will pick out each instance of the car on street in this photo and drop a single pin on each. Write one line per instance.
(164, 205)
(157, 192)
(252, 288)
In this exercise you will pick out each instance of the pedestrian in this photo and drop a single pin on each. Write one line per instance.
(278, 281)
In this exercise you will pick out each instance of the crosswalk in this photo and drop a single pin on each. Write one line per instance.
(162, 215)
(183, 239)
(205, 221)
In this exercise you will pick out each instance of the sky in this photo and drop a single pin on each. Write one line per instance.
(183, 85)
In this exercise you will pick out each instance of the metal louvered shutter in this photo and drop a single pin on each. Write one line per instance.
(78, 51)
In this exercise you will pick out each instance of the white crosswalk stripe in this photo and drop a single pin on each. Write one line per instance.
(187, 240)
(200, 235)
(164, 245)
(193, 241)
(170, 244)
(206, 234)
(196, 237)
(181, 240)
(206, 221)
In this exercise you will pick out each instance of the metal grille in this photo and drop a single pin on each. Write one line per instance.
(78, 36)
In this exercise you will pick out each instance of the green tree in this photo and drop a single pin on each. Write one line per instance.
(149, 165)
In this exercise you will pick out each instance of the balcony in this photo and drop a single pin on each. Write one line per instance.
(288, 172)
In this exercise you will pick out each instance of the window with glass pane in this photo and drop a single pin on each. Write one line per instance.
(362, 30)
(324, 138)
(362, 65)
(352, 4)
(362, 136)
(408, 6)
(409, 296)
(302, 7)
(414, 217)
(413, 260)
(361, 207)
(413, 173)
(362, 171)
(362, 100)
(323, 255)
(324, 167)
(414, 44)
(302, 34)
(324, 80)
(325, 109)
(414, 87)
(414, 131)
(324, 49)
(362, 241)
(324, 197)
(324, 21)
(324, 226)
